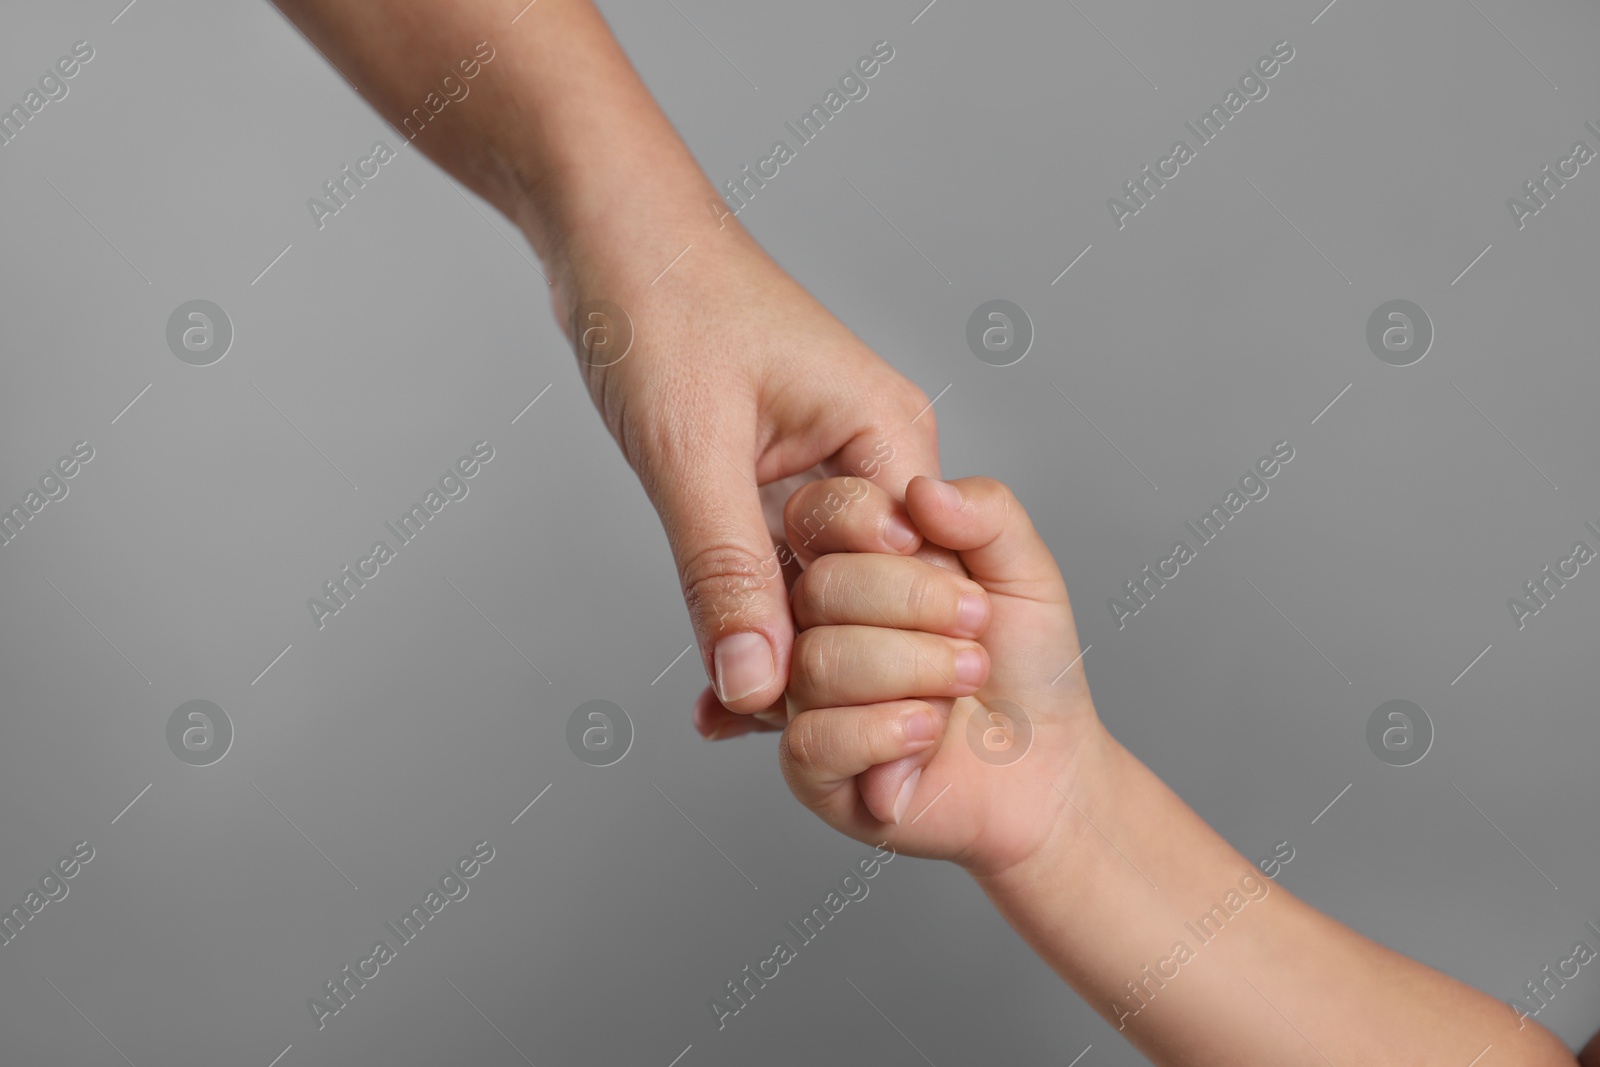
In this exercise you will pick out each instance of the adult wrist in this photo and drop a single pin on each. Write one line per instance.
(616, 219)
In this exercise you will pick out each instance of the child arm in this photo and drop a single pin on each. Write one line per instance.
(1167, 931)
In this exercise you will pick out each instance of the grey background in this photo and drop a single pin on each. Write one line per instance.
(1195, 338)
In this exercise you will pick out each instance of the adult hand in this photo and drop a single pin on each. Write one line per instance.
(737, 385)
(736, 379)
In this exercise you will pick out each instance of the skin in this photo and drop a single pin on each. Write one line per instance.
(737, 378)
(1093, 860)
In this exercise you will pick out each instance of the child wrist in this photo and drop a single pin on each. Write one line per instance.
(1073, 796)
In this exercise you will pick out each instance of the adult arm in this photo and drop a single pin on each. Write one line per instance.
(736, 377)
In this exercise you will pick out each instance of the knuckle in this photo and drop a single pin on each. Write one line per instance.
(984, 485)
(793, 508)
(949, 649)
(920, 591)
(1009, 504)
(913, 661)
(659, 438)
(822, 587)
(867, 728)
(801, 744)
(997, 495)
(720, 580)
(911, 396)
(803, 599)
(917, 405)
(813, 650)
(811, 511)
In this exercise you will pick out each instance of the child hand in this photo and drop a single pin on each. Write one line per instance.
(1095, 862)
(890, 667)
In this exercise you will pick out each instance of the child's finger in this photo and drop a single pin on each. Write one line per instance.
(836, 666)
(984, 522)
(846, 515)
(894, 591)
(823, 749)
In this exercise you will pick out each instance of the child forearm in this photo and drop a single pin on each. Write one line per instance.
(1179, 941)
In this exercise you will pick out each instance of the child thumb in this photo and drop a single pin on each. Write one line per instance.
(982, 520)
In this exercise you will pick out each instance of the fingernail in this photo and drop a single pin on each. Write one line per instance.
(949, 495)
(899, 534)
(921, 726)
(716, 732)
(971, 612)
(743, 664)
(969, 666)
(902, 799)
(772, 718)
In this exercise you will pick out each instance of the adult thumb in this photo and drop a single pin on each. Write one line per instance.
(731, 575)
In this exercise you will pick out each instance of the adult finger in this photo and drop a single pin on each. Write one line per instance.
(705, 492)
(714, 722)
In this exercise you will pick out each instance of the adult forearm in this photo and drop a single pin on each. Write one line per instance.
(1183, 944)
(556, 130)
